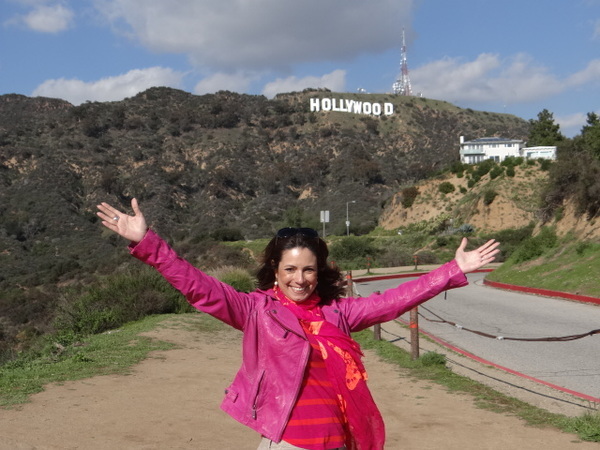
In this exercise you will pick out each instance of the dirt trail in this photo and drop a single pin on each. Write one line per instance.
(171, 401)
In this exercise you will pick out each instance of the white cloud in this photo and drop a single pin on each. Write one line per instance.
(590, 74)
(486, 79)
(228, 35)
(49, 19)
(571, 125)
(111, 88)
(224, 82)
(335, 81)
(572, 120)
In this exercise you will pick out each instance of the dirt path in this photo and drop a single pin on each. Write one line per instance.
(171, 401)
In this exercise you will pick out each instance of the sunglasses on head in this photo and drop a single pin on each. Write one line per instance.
(290, 231)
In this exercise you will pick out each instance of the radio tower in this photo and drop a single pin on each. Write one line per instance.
(402, 84)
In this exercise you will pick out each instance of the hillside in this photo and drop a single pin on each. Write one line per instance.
(198, 164)
(515, 204)
(490, 205)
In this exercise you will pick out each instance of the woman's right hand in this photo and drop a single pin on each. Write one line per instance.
(130, 227)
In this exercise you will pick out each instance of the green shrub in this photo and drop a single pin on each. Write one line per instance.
(496, 172)
(442, 241)
(117, 300)
(509, 161)
(227, 234)
(446, 187)
(484, 167)
(535, 246)
(457, 167)
(351, 252)
(582, 247)
(489, 196)
(408, 196)
(510, 171)
(432, 359)
(545, 164)
(511, 239)
(585, 426)
(395, 258)
(426, 257)
(236, 277)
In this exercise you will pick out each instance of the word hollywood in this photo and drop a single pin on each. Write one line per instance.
(350, 106)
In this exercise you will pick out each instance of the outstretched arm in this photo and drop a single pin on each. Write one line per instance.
(473, 260)
(130, 227)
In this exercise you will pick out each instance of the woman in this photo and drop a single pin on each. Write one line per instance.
(301, 384)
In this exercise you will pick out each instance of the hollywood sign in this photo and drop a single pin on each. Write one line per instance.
(350, 106)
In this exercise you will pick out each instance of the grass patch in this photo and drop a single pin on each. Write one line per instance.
(570, 267)
(113, 352)
(432, 367)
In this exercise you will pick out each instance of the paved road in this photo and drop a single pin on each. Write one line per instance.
(573, 365)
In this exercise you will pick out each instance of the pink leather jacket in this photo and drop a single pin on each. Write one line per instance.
(275, 350)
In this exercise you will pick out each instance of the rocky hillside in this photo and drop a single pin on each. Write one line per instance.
(511, 202)
(497, 201)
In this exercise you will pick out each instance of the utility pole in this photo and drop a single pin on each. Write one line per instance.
(347, 218)
(324, 220)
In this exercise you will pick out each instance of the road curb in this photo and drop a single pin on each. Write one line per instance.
(542, 292)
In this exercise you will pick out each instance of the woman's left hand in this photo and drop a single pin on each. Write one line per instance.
(473, 260)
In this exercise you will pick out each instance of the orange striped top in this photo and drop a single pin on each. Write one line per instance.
(316, 422)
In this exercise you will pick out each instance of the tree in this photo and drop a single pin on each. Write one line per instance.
(544, 131)
(590, 134)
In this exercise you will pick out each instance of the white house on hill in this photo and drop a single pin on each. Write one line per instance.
(497, 148)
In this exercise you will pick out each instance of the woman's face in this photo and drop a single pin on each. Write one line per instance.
(296, 274)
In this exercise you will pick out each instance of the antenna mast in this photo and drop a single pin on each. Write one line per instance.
(402, 84)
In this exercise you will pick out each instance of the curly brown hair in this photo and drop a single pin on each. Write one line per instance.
(329, 279)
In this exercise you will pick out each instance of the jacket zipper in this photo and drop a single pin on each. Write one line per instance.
(299, 384)
(254, 401)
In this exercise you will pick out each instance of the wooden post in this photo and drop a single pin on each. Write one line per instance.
(377, 331)
(414, 333)
(377, 327)
(349, 290)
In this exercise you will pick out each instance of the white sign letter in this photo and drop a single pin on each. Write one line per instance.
(315, 105)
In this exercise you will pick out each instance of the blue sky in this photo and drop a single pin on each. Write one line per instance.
(513, 56)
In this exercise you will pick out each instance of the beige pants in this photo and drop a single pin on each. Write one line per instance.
(267, 444)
